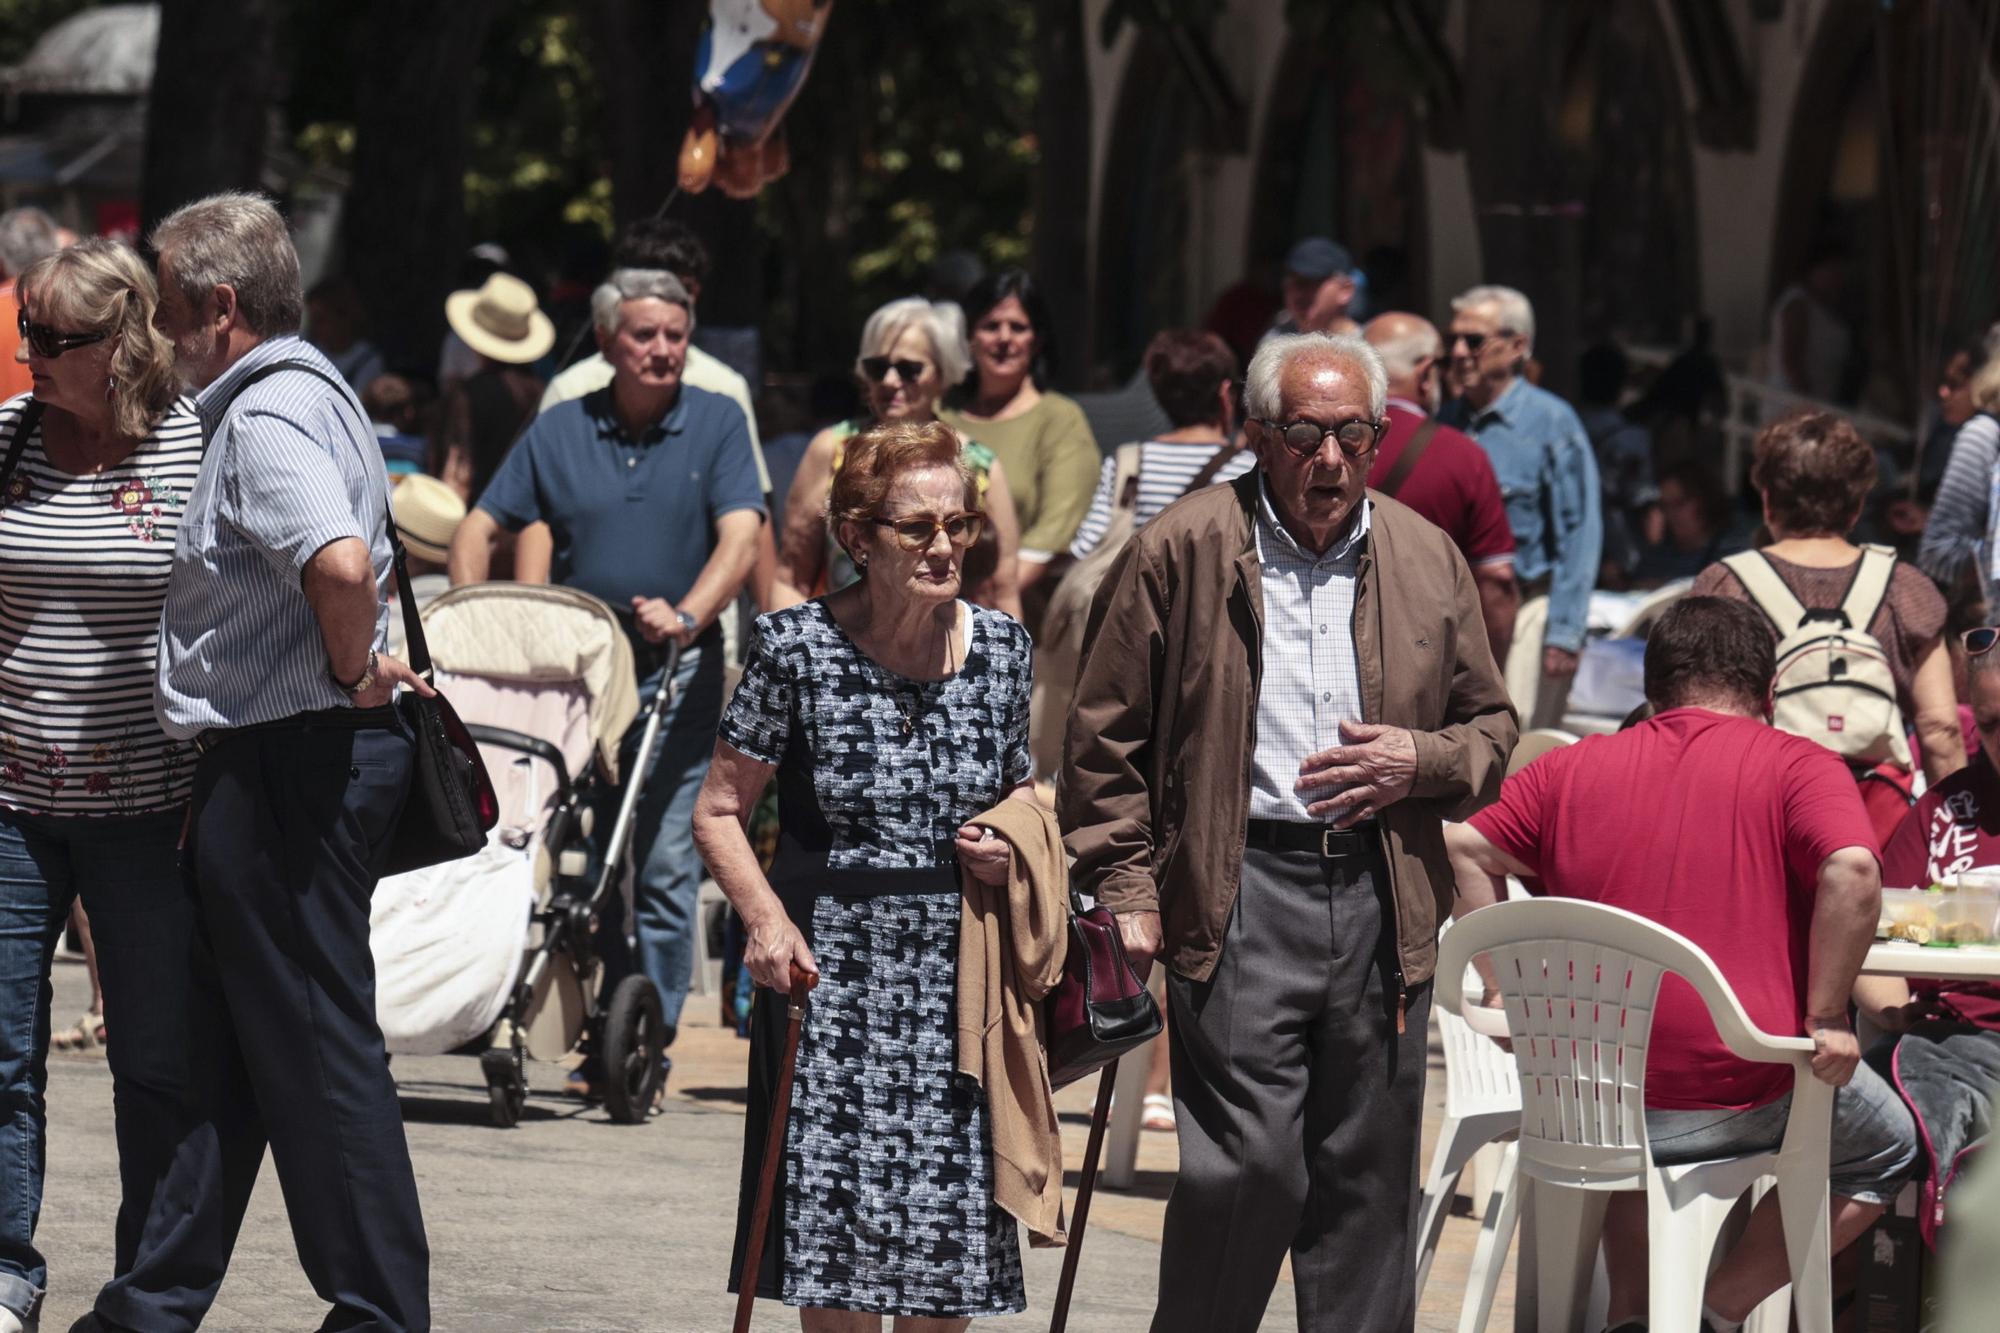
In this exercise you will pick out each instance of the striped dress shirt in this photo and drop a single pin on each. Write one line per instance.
(1311, 681)
(290, 467)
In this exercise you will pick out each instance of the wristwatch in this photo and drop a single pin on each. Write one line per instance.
(367, 681)
(688, 622)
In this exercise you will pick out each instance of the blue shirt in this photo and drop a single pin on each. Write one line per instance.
(631, 517)
(1548, 477)
(292, 467)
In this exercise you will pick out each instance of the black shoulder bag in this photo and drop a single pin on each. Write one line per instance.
(24, 426)
(451, 805)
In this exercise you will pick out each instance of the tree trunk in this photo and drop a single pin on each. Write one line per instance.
(1062, 176)
(645, 65)
(1524, 182)
(404, 224)
(215, 77)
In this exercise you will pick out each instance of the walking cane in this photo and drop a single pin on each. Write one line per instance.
(774, 1147)
(1086, 1180)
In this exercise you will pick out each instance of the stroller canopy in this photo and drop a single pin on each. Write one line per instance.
(538, 633)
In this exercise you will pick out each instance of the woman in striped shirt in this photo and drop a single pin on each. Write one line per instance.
(98, 458)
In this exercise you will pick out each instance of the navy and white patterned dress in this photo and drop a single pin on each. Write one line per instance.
(886, 1197)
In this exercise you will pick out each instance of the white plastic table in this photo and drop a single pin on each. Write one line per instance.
(1894, 958)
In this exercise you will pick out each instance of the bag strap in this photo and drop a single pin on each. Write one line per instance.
(1125, 477)
(1761, 580)
(24, 426)
(1406, 462)
(414, 643)
(1871, 585)
(1209, 470)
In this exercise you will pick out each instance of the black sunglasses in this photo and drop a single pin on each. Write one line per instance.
(1356, 435)
(877, 369)
(47, 342)
(1980, 641)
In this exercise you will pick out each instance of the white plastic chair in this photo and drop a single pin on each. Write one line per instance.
(1579, 981)
(1482, 1104)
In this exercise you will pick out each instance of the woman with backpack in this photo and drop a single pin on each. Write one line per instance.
(1860, 633)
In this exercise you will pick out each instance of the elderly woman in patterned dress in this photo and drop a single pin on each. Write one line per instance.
(892, 712)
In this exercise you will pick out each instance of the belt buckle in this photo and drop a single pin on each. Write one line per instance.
(1326, 837)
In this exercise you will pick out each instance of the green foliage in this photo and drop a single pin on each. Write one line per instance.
(22, 21)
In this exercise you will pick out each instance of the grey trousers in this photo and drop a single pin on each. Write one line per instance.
(1299, 1109)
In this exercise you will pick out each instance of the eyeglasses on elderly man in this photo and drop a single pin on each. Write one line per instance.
(1356, 435)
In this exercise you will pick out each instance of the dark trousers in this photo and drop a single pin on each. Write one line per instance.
(287, 832)
(1299, 1109)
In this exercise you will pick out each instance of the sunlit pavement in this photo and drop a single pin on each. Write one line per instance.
(569, 1222)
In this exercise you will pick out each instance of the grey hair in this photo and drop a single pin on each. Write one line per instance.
(636, 284)
(1402, 353)
(26, 234)
(238, 240)
(1261, 396)
(942, 323)
(1514, 311)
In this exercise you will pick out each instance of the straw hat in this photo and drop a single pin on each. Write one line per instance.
(500, 320)
(427, 513)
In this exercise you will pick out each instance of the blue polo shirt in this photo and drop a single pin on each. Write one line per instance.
(631, 517)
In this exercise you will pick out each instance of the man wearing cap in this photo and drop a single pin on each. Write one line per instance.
(485, 412)
(427, 513)
(652, 501)
(1319, 286)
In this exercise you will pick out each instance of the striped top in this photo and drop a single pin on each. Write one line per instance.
(83, 569)
(1961, 512)
(292, 466)
(1165, 470)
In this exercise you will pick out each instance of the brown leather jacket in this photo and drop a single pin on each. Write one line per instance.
(1156, 774)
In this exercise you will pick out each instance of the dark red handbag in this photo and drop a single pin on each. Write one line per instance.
(1101, 1008)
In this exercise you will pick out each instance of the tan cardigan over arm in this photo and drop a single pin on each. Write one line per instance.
(1011, 946)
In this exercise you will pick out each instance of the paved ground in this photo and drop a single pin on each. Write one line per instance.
(571, 1223)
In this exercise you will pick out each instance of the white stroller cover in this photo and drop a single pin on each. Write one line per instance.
(447, 945)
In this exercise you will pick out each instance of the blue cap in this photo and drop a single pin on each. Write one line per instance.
(1318, 258)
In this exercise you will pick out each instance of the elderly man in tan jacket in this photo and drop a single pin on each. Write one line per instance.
(1286, 690)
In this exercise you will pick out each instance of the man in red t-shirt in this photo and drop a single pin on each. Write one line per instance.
(1451, 482)
(1754, 845)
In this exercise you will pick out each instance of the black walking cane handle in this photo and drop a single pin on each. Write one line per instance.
(1086, 1182)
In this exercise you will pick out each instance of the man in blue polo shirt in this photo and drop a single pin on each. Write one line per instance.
(650, 489)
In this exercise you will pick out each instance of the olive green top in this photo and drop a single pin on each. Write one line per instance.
(1052, 464)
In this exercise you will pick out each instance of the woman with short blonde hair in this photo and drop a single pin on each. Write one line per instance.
(912, 350)
(99, 458)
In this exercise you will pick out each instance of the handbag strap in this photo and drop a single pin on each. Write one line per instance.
(24, 426)
(1208, 470)
(1406, 462)
(414, 644)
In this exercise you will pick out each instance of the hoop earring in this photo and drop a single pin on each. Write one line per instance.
(110, 387)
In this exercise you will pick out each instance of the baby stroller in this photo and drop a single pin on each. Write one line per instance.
(543, 678)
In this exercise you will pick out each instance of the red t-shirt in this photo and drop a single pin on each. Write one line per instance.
(1715, 827)
(1954, 827)
(1452, 485)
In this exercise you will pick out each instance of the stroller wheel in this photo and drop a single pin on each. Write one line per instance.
(633, 1034)
(506, 1086)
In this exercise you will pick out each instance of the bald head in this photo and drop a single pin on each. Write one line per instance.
(1411, 351)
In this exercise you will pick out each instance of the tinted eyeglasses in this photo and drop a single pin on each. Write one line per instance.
(1980, 641)
(917, 534)
(51, 343)
(1356, 435)
(877, 368)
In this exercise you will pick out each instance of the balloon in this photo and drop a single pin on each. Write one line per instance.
(753, 59)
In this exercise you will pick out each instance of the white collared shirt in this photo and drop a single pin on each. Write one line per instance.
(1311, 682)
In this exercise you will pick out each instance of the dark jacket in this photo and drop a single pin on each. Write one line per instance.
(1156, 775)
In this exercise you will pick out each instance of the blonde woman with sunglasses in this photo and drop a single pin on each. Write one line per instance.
(912, 351)
(96, 462)
(891, 713)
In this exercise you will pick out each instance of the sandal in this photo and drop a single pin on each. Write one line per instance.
(1156, 1112)
(88, 1034)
